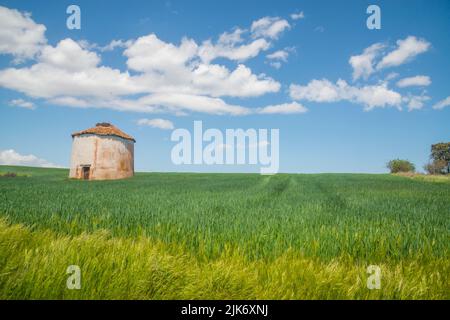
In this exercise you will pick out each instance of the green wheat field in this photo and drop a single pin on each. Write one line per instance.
(223, 236)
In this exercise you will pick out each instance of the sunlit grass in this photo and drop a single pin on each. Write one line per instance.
(426, 177)
(242, 236)
(34, 267)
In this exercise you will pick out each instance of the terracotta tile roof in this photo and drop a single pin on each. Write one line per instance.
(105, 129)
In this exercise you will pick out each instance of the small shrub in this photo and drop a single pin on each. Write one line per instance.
(436, 167)
(399, 165)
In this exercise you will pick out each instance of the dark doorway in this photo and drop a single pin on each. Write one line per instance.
(85, 172)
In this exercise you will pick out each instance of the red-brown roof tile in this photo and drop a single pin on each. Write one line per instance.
(105, 129)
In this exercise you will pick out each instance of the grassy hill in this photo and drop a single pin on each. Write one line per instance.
(222, 236)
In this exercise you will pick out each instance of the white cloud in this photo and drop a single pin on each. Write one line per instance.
(176, 78)
(285, 108)
(56, 76)
(13, 158)
(174, 103)
(112, 45)
(217, 81)
(297, 16)
(370, 96)
(406, 50)
(442, 104)
(20, 36)
(279, 55)
(22, 104)
(415, 102)
(363, 64)
(87, 45)
(68, 55)
(315, 90)
(269, 27)
(235, 45)
(414, 81)
(232, 37)
(156, 123)
(275, 64)
(168, 68)
(391, 75)
(115, 44)
(209, 51)
(194, 103)
(148, 53)
(84, 83)
(180, 104)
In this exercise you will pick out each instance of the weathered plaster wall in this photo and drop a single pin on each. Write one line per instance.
(110, 157)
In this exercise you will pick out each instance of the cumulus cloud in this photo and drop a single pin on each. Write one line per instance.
(69, 74)
(442, 104)
(169, 68)
(363, 64)
(22, 104)
(148, 53)
(285, 108)
(297, 16)
(68, 55)
(269, 27)
(166, 77)
(156, 123)
(374, 59)
(181, 104)
(278, 57)
(415, 102)
(112, 45)
(391, 76)
(316, 90)
(406, 50)
(115, 44)
(275, 64)
(209, 51)
(233, 37)
(414, 81)
(370, 96)
(55, 75)
(13, 158)
(232, 46)
(175, 102)
(20, 36)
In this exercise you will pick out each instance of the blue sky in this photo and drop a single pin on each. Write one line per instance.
(345, 98)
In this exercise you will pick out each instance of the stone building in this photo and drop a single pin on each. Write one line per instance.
(101, 153)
